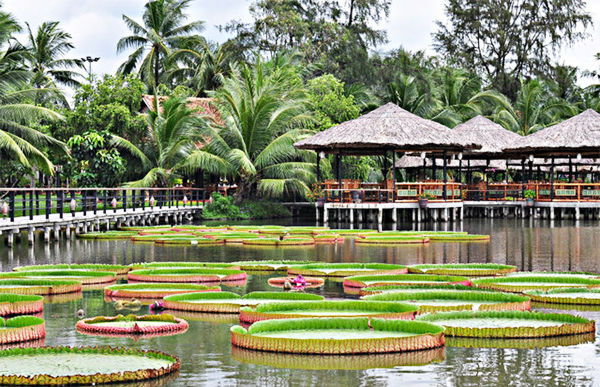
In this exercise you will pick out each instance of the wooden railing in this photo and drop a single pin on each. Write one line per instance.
(355, 191)
(544, 191)
(30, 202)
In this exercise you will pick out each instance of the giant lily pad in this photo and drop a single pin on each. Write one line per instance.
(437, 300)
(522, 283)
(268, 265)
(227, 302)
(579, 296)
(458, 238)
(338, 336)
(337, 362)
(117, 269)
(155, 290)
(39, 286)
(464, 269)
(21, 328)
(580, 274)
(148, 325)
(361, 281)
(370, 290)
(186, 275)
(330, 308)
(84, 365)
(345, 269)
(15, 304)
(182, 265)
(511, 324)
(86, 277)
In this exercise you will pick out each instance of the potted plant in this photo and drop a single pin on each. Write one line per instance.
(356, 196)
(529, 197)
(424, 199)
(317, 194)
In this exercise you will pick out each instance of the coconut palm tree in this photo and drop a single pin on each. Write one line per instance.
(264, 108)
(200, 67)
(45, 58)
(534, 109)
(176, 136)
(19, 140)
(163, 29)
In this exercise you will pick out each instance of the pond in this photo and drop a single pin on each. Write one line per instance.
(206, 353)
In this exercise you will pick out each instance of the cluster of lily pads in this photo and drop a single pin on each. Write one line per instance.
(404, 314)
(276, 235)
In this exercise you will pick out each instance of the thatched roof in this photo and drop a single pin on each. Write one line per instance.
(387, 128)
(578, 134)
(492, 137)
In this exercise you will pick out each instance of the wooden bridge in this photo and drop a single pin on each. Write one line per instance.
(65, 211)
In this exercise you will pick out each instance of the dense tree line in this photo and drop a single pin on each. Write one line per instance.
(299, 66)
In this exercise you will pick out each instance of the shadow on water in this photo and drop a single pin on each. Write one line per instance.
(205, 350)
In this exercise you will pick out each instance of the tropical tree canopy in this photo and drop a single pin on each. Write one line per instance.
(19, 138)
(264, 108)
(164, 28)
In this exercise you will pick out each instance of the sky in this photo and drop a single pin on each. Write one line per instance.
(96, 25)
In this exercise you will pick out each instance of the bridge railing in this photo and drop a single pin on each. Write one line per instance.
(29, 202)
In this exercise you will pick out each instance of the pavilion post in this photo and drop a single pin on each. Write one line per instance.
(570, 169)
(445, 192)
(318, 168)
(394, 175)
(460, 171)
(424, 168)
(469, 173)
(552, 180)
(339, 172)
(539, 173)
(487, 179)
(530, 171)
(433, 168)
(523, 177)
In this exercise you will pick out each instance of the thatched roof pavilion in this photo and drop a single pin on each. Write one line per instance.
(492, 137)
(577, 135)
(388, 128)
(416, 162)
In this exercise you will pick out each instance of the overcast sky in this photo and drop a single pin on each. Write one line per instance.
(96, 25)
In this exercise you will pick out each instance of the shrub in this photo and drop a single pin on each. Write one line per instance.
(223, 207)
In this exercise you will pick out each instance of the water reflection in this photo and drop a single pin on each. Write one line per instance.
(206, 352)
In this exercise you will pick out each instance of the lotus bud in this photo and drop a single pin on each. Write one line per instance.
(152, 201)
(72, 205)
(113, 203)
(4, 209)
(185, 200)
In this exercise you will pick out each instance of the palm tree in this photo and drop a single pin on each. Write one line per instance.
(263, 107)
(18, 139)
(45, 58)
(163, 30)
(200, 67)
(175, 141)
(534, 109)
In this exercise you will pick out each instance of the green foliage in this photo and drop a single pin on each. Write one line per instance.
(507, 43)
(95, 163)
(328, 102)
(110, 104)
(164, 28)
(529, 194)
(224, 207)
(263, 107)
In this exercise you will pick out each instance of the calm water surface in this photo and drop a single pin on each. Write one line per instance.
(208, 359)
